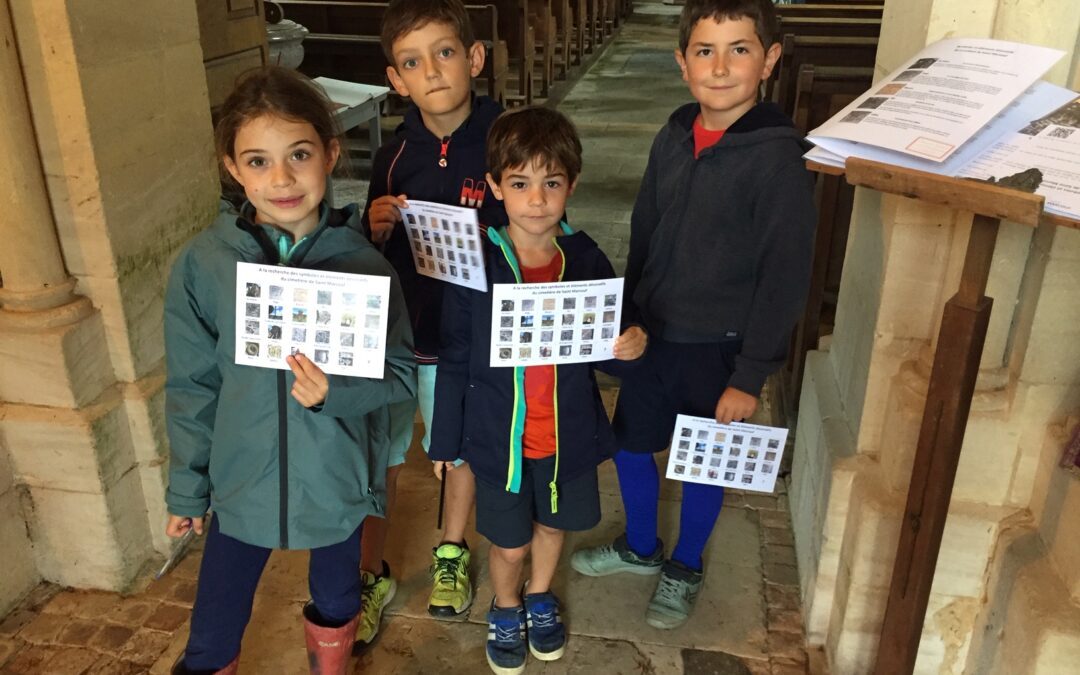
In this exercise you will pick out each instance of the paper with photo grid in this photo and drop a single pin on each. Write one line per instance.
(445, 242)
(337, 320)
(556, 323)
(736, 455)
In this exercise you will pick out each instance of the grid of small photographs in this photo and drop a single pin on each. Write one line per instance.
(536, 324)
(445, 243)
(738, 455)
(341, 327)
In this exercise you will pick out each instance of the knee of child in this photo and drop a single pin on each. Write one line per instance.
(544, 529)
(511, 556)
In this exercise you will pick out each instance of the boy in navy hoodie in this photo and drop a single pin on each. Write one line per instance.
(532, 435)
(437, 155)
(721, 243)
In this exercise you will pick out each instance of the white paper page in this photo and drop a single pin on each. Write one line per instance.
(1051, 145)
(1040, 99)
(823, 156)
(337, 320)
(940, 98)
(545, 324)
(349, 93)
(445, 243)
(736, 455)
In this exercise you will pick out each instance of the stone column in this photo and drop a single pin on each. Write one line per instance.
(862, 400)
(117, 172)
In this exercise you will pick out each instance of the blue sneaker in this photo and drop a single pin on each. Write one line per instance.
(547, 637)
(506, 653)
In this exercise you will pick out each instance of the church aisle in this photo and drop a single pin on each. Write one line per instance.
(747, 620)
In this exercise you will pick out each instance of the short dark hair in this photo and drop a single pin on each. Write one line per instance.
(761, 12)
(273, 90)
(533, 134)
(404, 16)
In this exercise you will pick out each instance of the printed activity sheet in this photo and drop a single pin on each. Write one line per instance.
(556, 323)
(939, 99)
(736, 455)
(337, 320)
(446, 243)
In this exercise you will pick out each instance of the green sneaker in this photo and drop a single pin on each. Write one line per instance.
(616, 557)
(452, 593)
(675, 595)
(377, 593)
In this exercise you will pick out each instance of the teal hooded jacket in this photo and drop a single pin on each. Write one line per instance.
(277, 474)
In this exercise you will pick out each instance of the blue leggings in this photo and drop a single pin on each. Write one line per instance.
(639, 484)
(228, 576)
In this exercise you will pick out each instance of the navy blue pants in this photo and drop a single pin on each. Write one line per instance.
(228, 576)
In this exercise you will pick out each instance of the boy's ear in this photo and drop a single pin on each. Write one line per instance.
(495, 190)
(233, 170)
(477, 54)
(772, 55)
(396, 81)
(573, 186)
(333, 152)
(681, 60)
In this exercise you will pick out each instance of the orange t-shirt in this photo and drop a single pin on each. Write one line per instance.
(539, 437)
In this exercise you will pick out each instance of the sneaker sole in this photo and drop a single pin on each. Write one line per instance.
(361, 645)
(590, 572)
(665, 622)
(447, 612)
(501, 670)
(547, 656)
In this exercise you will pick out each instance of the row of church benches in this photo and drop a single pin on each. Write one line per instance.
(827, 61)
(529, 43)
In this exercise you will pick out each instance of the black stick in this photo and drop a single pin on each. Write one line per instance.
(442, 497)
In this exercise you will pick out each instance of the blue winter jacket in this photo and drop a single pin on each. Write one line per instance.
(480, 411)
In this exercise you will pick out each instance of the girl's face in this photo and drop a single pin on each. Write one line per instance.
(282, 166)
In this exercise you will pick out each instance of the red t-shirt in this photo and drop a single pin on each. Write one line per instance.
(704, 138)
(539, 437)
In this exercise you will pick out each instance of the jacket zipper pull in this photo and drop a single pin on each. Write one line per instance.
(442, 151)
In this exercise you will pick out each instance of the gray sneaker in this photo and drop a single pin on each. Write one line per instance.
(675, 595)
(616, 557)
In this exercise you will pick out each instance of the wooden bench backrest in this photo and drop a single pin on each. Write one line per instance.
(816, 25)
(830, 10)
(823, 91)
(799, 50)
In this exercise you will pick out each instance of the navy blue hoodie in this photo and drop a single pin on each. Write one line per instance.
(721, 246)
(480, 411)
(410, 164)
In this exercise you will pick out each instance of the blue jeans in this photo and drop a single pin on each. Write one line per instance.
(228, 577)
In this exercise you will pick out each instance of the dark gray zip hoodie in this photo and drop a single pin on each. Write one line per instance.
(721, 246)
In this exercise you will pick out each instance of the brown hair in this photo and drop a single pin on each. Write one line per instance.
(761, 12)
(272, 90)
(404, 16)
(533, 134)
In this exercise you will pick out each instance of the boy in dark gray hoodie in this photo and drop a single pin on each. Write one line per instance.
(720, 252)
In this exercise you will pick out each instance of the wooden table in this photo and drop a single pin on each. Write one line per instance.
(356, 104)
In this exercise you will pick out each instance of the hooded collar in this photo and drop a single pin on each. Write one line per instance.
(473, 129)
(764, 122)
(238, 229)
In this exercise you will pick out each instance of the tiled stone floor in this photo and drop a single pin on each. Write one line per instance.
(747, 619)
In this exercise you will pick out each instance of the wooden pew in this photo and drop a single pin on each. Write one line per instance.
(344, 41)
(521, 46)
(542, 20)
(800, 50)
(831, 10)
(564, 27)
(822, 92)
(828, 27)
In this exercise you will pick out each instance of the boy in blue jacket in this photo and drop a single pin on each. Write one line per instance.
(721, 242)
(436, 155)
(532, 435)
